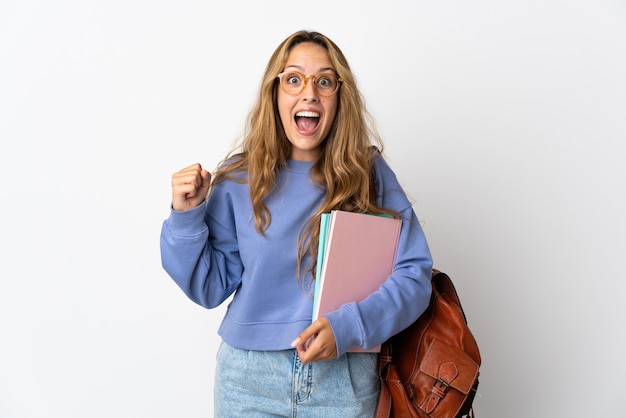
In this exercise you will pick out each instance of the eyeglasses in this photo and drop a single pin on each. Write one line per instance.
(294, 82)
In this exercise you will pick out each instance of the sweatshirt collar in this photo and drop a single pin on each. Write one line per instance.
(300, 166)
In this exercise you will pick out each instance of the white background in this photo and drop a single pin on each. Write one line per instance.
(505, 122)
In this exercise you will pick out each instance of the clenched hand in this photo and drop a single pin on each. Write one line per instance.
(189, 187)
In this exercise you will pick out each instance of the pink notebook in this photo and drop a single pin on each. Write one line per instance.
(359, 256)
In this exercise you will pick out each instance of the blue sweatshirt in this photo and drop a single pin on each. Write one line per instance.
(214, 250)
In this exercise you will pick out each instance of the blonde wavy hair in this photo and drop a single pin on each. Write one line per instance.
(344, 167)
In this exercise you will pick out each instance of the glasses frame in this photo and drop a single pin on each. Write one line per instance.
(306, 80)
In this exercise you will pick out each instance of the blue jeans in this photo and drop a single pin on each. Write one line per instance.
(255, 384)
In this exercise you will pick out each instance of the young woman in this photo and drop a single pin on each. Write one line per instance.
(253, 230)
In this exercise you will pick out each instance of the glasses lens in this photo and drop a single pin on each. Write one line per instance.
(326, 84)
(292, 82)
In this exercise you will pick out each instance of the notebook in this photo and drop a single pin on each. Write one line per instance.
(356, 255)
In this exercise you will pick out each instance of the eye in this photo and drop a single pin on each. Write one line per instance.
(292, 78)
(326, 81)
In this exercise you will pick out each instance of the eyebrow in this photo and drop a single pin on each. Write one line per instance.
(321, 70)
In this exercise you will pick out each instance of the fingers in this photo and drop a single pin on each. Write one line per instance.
(316, 343)
(189, 187)
(308, 334)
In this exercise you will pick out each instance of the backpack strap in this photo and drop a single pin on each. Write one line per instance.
(384, 398)
(442, 282)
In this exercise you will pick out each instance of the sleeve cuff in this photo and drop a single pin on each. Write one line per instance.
(344, 324)
(189, 222)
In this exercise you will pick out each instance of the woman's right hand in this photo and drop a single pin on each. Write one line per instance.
(190, 187)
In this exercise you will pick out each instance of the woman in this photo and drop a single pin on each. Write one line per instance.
(307, 150)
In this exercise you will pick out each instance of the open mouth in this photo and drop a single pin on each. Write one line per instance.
(307, 121)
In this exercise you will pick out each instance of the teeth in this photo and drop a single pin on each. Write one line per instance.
(308, 114)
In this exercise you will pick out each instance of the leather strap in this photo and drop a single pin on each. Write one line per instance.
(384, 398)
(384, 403)
(447, 373)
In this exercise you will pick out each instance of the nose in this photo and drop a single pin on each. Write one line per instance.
(310, 93)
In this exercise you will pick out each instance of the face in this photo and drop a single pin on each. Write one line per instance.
(307, 116)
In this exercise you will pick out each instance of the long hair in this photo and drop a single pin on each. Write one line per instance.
(344, 167)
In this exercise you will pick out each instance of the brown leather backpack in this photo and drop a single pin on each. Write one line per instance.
(431, 368)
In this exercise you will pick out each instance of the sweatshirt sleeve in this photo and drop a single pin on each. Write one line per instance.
(406, 293)
(189, 242)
